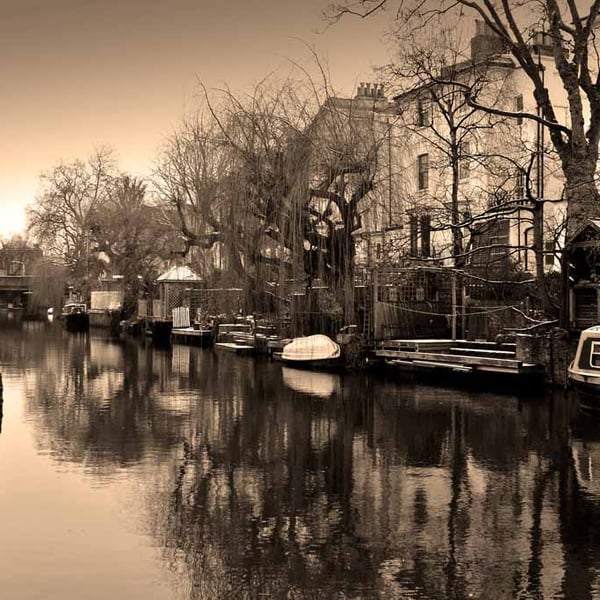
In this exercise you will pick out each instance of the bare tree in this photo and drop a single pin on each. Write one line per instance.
(59, 219)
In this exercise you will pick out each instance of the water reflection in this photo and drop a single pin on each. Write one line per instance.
(313, 383)
(388, 489)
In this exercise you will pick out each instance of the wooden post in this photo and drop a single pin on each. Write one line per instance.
(453, 316)
(463, 295)
(374, 297)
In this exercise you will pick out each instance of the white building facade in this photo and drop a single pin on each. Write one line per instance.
(460, 186)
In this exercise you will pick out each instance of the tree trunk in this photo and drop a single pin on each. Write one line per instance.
(581, 193)
(538, 250)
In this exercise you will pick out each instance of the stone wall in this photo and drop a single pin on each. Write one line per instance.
(552, 349)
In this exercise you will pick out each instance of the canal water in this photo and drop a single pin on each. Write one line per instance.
(128, 471)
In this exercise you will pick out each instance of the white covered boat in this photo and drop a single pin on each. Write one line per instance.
(313, 351)
(584, 371)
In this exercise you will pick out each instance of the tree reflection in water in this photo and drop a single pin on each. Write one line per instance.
(262, 482)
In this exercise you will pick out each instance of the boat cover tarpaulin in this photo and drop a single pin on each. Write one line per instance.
(311, 347)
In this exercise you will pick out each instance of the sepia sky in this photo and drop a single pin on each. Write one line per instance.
(79, 74)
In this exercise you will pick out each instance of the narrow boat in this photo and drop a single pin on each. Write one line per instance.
(75, 316)
(584, 371)
(311, 352)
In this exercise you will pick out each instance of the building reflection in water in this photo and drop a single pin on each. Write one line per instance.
(266, 481)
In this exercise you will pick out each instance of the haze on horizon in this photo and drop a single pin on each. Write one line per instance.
(80, 74)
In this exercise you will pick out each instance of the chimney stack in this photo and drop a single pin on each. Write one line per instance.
(369, 90)
(485, 43)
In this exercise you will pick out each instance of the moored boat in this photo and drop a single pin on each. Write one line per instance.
(311, 352)
(75, 316)
(584, 371)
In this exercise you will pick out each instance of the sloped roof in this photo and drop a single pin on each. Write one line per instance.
(593, 224)
(181, 273)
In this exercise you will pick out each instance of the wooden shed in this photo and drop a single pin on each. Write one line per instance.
(584, 276)
(171, 290)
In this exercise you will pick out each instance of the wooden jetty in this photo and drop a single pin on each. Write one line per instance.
(236, 337)
(458, 356)
(235, 347)
(196, 335)
(248, 337)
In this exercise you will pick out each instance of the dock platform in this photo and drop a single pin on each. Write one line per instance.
(458, 356)
(235, 347)
(190, 335)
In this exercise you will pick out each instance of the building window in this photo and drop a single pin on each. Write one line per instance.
(423, 112)
(413, 223)
(464, 163)
(425, 236)
(549, 249)
(520, 184)
(595, 355)
(423, 171)
(519, 108)
(420, 235)
(527, 235)
(16, 267)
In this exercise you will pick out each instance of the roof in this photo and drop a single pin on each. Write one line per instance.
(593, 224)
(176, 273)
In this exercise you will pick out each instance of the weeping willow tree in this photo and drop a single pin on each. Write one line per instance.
(269, 186)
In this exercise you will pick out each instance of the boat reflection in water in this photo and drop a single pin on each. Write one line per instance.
(313, 383)
(585, 445)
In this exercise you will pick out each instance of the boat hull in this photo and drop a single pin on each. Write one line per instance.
(587, 390)
(312, 364)
(584, 370)
(76, 322)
